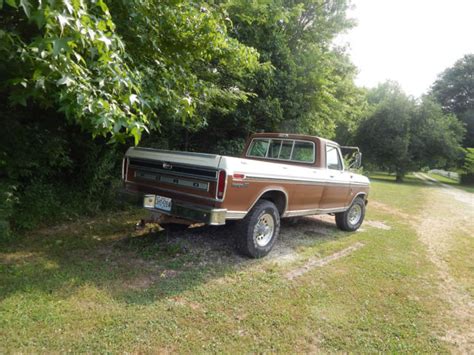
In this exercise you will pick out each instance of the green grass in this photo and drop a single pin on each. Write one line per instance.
(97, 286)
(452, 182)
(444, 179)
(406, 196)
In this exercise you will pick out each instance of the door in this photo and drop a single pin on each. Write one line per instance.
(337, 189)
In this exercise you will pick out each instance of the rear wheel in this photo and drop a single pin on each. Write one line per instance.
(257, 232)
(351, 219)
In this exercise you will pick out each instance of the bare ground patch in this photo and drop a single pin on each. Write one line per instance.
(17, 257)
(183, 302)
(393, 211)
(314, 263)
(378, 225)
(216, 244)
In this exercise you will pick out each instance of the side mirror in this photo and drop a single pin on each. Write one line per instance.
(358, 160)
(355, 159)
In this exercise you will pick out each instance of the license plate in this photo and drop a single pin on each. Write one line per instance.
(163, 203)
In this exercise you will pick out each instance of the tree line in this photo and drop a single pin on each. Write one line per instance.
(81, 80)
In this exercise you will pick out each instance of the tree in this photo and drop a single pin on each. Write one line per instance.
(305, 84)
(117, 72)
(400, 135)
(384, 135)
(468, 169)
(435, 137)
(454, 90)
(112, 69)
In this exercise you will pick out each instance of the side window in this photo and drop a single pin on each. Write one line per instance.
(303, 151)
(333, 160)
(258, 148)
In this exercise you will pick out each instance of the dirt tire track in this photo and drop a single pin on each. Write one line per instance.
(318, 262)
(448, 210)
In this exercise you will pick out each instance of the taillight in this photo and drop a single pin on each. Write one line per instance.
(221, 184)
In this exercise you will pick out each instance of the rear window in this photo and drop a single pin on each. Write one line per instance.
(258, 148)
(274, 149)
(286, 148)
(283, 149)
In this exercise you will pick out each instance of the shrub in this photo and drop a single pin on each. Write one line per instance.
(7, 199)
(233, 147)
(50, 171)
(467, 177)
(37, 204)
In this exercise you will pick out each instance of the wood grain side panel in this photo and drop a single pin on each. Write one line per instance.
(242, 194)
(335, 196)
(305, 196)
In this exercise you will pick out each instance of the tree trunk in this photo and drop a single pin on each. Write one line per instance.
(399, 177)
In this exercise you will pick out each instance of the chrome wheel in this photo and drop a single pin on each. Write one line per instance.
(355, 214)
(263, 231)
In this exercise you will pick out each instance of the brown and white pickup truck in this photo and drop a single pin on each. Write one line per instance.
(278, 176)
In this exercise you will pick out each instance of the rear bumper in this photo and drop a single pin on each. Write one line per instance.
(203, 214)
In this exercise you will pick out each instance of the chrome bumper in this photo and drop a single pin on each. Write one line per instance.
(203, 214)
(211, 216)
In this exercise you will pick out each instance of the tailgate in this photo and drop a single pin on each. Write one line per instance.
(173, 174)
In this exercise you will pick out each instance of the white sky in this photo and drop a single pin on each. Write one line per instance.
(409, 41)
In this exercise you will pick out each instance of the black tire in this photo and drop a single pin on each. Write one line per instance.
(251, 243)
(344, 220)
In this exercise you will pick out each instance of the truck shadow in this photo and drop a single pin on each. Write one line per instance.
(139, 267)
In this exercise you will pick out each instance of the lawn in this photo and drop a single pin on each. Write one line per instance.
(96, 285)
(452, 182)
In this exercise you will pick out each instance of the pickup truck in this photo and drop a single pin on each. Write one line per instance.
(279, 175)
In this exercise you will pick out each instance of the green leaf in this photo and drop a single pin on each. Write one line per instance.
(39, 18)
(136, 135)
(12, 3)
(63, 21)
(59, 44)
(65, 80)
(25, 4)
(68, 5)
(105, 40)
(103, 6)
(133, 98)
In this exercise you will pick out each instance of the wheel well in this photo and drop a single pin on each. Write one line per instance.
(278, 198)
(362, 195)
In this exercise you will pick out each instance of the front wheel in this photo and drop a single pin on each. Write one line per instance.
(351, 219)
(257, 232)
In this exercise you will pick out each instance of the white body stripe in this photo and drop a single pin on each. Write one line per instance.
(253, 168)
